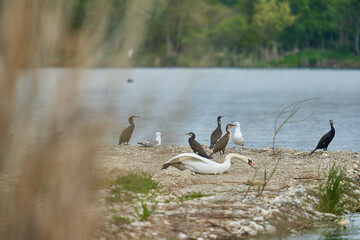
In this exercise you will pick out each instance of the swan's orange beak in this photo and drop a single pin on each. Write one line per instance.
(250, 163)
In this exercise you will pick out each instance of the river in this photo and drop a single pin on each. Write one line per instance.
(175, 101)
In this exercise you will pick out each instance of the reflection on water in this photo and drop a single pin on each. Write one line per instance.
(333, 231)
(176, 101)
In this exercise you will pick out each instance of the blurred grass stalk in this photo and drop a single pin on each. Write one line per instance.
(46, 167)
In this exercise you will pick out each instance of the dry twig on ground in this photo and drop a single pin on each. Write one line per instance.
(291, 110)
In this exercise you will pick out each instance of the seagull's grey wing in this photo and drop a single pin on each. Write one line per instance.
(151, 143)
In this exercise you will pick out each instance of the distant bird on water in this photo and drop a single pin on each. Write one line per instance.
(152, 142)
(127, 132)
(221, 144)
(198, 164)
(238, 138)
(216, 134)
(326, 139)
(196, 146)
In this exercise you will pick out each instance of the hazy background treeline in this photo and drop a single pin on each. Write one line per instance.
(234, 33)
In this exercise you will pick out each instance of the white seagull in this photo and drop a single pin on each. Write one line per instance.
(198, 164)
(238, 138)
(152, 142)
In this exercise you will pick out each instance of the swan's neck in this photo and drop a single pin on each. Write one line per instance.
(225, 165)
(234, 155)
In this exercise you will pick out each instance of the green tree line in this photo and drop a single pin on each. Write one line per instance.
(238, 33)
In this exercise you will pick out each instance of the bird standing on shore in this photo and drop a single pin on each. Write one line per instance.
(221, 144)
(198, 164)
(238, 138)
(196, 146)
(216, 134)
(152, 142)
(127, 132)
(326, 139)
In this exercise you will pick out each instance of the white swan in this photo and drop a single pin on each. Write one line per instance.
(198, 164)
(152, 142)
(238, 138)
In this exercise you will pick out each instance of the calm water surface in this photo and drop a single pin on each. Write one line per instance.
(333, 231)
(175, 101)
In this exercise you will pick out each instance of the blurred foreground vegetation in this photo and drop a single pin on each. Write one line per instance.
(230, 33)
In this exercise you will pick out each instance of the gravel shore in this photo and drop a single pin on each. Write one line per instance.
(286, 206)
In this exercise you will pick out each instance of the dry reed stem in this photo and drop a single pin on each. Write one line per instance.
(46, 170)
(292, 109)
(47, 180)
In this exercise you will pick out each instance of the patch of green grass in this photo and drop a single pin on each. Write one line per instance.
(336, 192)
(119, 220)
(146, 212)
(124, 188)
(193, 195)
(136, 183)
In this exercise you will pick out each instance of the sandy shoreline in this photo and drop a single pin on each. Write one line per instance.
(225, 213)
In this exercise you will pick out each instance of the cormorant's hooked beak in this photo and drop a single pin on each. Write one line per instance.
(250, 163)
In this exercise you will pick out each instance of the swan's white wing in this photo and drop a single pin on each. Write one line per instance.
(195, 163)
(188, 156)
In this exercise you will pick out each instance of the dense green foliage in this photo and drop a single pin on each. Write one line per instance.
(335, 194)
(240, 33)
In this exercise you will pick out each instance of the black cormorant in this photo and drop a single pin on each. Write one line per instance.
(326, 139)
(221, 144)
(196, 146)
(216, 134)
(127, 132)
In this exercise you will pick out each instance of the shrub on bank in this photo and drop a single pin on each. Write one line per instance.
(336, 193)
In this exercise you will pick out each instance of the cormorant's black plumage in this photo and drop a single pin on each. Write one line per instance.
(216, 134)
(221, 144)
(196, 146)
(127, 132)
(326, 139)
